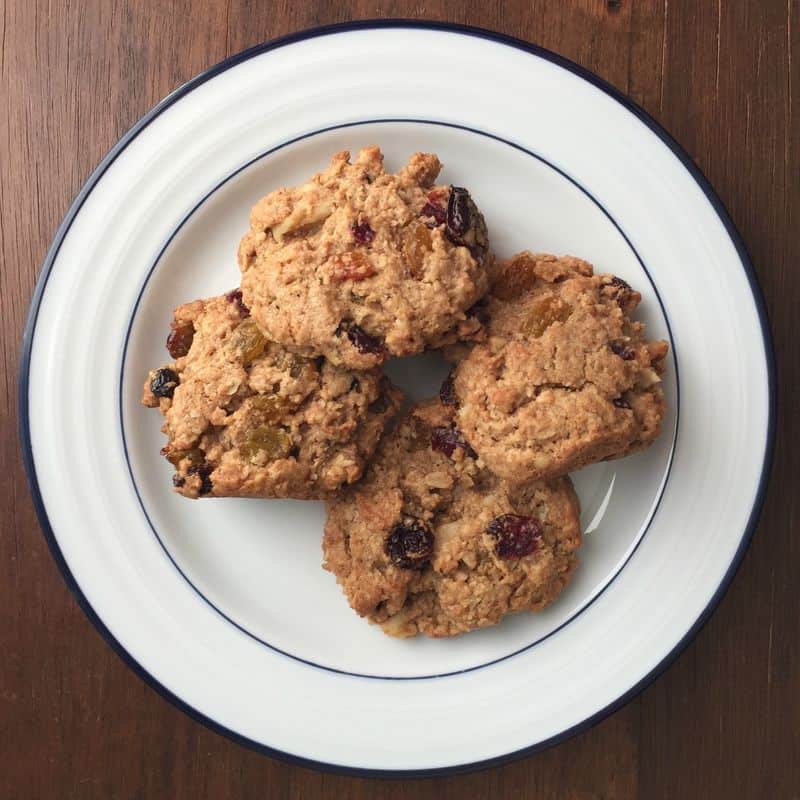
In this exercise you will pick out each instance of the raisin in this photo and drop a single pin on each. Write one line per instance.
(274, 442)
(621, 402)
(195, 455)
(410, 544)
(180, 339)
(361, 340)
(622, 350)
(446, 440)
(516, 536)
(464, 224)
(203, 471)
(447, 392)
(417, 245)
(270, 407)
(362, 233)
(517, 277)
(248, 341)
(546, 311)
(618, 282)
(178, 480)
(235, 296)
(164, 382)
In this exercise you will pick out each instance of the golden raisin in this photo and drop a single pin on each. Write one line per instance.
(546, 311)
(273, 442)
(417, 245)
(270, 407)
(516, 278)
(248, 341)
(195, 456)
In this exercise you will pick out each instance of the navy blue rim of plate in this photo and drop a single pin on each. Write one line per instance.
(143, 288)
(498, 38)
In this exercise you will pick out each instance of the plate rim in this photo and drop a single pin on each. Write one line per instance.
(373, 24)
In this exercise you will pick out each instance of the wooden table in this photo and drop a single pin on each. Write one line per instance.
(722, 76)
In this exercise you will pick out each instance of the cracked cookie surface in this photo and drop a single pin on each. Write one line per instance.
(565, 378)
(431, 542)
(246, 418)
(359, 264)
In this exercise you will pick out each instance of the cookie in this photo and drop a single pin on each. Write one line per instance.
(358, 264)
(566, 378)
(431, 542)
(246, 418)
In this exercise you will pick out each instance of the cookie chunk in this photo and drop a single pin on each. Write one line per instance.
(358, 264)
(565, 378)
(431, 542)
(246, 418)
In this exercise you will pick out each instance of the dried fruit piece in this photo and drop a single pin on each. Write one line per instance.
(479, 311)
(517, 277)
(270, 407)
(409, 544)
(546, 311)
(362, 232)
(446, 440)
(622, 350)
(195, 455)
(235, 296)
(465, 224)
(164, 382)
(434, 208)
(248, 341)
(361, 340)
(417, 245)
(203, 471)
(273, 442)
(178, 480)
(621, 402)
(351, 266)
(516, 536)
(180, 339)
(447, 392)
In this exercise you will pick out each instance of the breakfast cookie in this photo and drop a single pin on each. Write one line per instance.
(431, 542)
(565, 377)
(246, 418)
(359, 264)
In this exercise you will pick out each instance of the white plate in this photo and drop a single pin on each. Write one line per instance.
(221, 604)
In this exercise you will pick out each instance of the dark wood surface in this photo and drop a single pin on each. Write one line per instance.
(724, 720)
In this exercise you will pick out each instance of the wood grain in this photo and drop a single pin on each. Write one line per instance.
(722, 722)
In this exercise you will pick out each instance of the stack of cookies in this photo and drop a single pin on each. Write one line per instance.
(460, 511)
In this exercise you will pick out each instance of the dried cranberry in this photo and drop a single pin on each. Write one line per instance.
(621, 402)
(437, 212)
(164, 382)
(410, 544)
(622, 350)
(446, 440)
(447, 392)
(180, 340)
(465, 224)
(516, 536)
(203, 471)
(362, 233)
(235, 296)
(361, 340)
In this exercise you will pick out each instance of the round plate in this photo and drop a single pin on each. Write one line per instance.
(221, 604)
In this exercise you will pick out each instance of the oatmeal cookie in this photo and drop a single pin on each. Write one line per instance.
(358, 264)
(431, 542)
(246, 418)
(565, 378)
